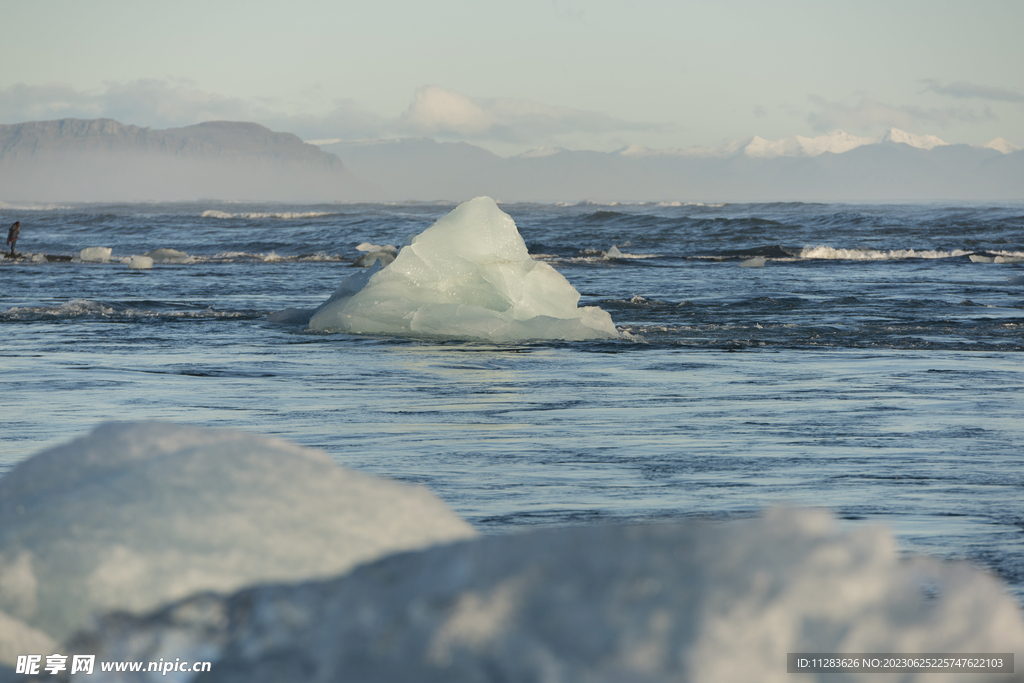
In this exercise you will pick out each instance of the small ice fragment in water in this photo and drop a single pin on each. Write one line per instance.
(140, 263)
(977, 258)
(375, 252)
(169, 256)
(756, 262)
(95, 254)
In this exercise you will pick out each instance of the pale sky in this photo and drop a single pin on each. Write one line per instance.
(513, 76)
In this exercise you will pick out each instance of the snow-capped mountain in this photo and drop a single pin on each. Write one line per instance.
(836, 142)
(1001, 145)
(901, 137)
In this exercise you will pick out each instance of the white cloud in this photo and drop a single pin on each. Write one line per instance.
(435, 110)
(965, 90)
(439, 111)
(144, 102)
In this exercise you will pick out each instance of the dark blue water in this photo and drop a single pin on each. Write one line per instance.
(870, 366)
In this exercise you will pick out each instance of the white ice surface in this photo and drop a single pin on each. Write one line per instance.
(95, 254)
(140, 263)
(139, 514)
(169, 256)
(469, 276)
(697, 601)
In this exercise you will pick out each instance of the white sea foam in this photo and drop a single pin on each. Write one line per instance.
(31, 206)
(831, 253)
(467, 276)
(79, 308)
(284, 215)
(755, 262)
(269, 257)
(135, 515)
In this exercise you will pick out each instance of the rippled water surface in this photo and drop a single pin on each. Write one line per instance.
(870, 366)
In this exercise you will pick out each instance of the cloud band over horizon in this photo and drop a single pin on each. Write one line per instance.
(446, 114)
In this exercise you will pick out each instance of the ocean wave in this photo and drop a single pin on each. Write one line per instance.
(594, 256)
(284, 215)
(269, 257)
(175, 257)
(832, 253)
(681, 204)
(637, 301)
(32, 206)
(87, 308)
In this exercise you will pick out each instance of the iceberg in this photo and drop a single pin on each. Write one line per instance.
(136, 515)
(469, 276)
(598, 604)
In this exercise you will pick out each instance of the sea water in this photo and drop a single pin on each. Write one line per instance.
(869, 365)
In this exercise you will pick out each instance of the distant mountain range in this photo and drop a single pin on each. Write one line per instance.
(835, 142)
(103, 160)
(897, 166)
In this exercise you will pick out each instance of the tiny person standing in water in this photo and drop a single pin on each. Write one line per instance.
(12, 235)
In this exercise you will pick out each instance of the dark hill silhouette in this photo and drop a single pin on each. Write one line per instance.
(103, 160)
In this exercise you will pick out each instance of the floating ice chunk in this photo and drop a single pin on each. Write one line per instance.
(755, 262)
(140, 263)
(603, 604)
(375, 252)
(467, 276)
(613, 253)
(978, 258)
(38, 258)
(135, 515)
(95, 254)
(366, 246)
(169, 256)
(1009, 259)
